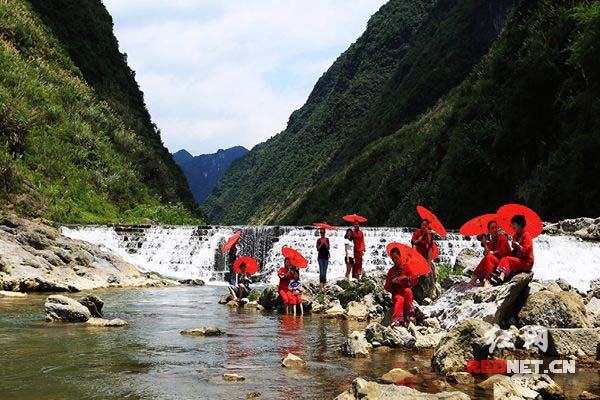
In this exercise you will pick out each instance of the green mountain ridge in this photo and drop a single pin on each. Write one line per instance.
(412, 53)
(79, 145)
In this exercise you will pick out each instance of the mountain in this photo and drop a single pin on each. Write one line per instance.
(412, 53)
(80, 145)
(204, 171)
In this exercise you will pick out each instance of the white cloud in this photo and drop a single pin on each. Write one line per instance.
(221, 73)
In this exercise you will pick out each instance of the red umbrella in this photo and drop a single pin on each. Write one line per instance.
(534, 223)
(434, 222)
(231, 241)
(251, 265)
(324, 226)
(478, 225)
(410, 256)
(354, 218)
(296, 258)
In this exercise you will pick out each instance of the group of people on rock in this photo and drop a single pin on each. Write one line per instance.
(499, 263)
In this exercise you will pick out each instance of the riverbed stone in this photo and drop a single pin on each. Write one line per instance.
(233, 378)
(336, 310)
(465, 341)
(398, 336)
(495, 304)
(554, 310)
(205, 331)
(579, 342)
(192, 282)
(65, 309)
(369, 390)
(357, 311)
(93, 303)
(7, 294)
(529, 386)
(102, 322)
(396, 375)
(292, 361)
(356, 345)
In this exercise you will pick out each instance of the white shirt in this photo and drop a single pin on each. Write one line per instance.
(349, 247)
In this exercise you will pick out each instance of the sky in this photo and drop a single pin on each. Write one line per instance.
(221, 73)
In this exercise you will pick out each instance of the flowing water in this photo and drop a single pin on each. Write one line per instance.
(151, 360)
(194, 252)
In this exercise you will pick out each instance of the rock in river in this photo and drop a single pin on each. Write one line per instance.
(292, 361)
(356, 345)
(61, 308)
(207, 331)
(363, 389)
(554, 310)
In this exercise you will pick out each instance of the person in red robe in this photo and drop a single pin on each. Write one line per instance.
(494, 249)
(286, 274)
(398, 282)
(422, 241)
(521, 259)
(359, 250)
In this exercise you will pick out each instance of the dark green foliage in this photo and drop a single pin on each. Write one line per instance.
(523, 126)
(66, 155)
(412, 53)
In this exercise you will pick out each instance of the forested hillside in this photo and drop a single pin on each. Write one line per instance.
(484, 103)
(78, 143)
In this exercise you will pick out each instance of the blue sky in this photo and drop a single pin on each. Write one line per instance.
(216, 74)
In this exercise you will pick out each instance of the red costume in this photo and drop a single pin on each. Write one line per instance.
(398, 282)
(522, 256)
(499, 248)
(425, 245)
(285, 276)
(359, 248)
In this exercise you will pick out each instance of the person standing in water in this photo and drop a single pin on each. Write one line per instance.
(422, 241)
(398, 282)
(494, 249)
(359, 250)
(295, 288)
(285, 274)
(323, 257)
(521, 259)
(349, 252)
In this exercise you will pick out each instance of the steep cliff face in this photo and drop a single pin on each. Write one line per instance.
(204, 171)
(411, 54)
(79, 143)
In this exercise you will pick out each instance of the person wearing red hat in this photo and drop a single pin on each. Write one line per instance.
(522, 252)
(398, 282)
(422, 241)
(286, 274)
(494, 249)
(359, 250)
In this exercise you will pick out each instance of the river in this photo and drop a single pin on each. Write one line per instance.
(150, 359)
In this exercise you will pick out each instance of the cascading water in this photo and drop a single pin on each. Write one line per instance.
(194, 252)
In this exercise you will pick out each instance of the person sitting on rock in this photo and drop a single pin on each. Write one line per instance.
(241, 284)
(295, 288)
(494, 249)
(522, 252)
(398, 282)
(286, 274)
(422, 241)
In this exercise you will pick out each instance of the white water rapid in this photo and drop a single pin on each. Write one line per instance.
(194, 252)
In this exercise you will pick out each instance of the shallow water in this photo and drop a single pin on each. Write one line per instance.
(150, 359)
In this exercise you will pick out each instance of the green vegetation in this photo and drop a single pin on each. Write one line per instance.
(70, 152)
(445, 270)
(412, 52)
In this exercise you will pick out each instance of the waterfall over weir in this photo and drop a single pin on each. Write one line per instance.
(194, 252)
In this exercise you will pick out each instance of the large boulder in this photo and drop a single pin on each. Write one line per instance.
(593, 312)
(269, 298)
(554, 310)
(523, 386)
(356, 345)
(495, 305)
(94, 304)
(581, 342)
(426, 288)
(379, 335)
(368, 390)
(465, 341)
(61, 308)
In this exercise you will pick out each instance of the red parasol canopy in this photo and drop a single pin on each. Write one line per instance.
(324, 226)
(434, 222)
(478, 225)
(533, 221)
(251, 265)
(231, 241)
(354, 218)
(411, 257)
(296, 258)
